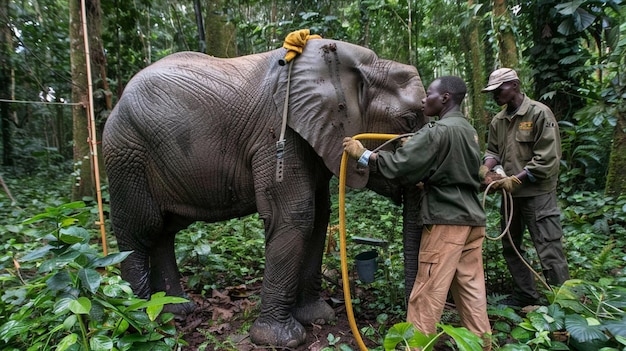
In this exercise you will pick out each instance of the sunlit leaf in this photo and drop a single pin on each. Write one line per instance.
(82, 305)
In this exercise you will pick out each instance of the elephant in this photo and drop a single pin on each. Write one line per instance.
(198, 138)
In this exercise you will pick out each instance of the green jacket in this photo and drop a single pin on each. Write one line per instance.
(445, 156)
(527, 140)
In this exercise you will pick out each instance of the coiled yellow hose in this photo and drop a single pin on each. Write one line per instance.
(342, 234)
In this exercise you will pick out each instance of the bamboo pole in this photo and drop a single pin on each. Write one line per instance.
(93, 145)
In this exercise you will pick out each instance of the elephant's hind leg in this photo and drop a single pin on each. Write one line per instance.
(164, 273)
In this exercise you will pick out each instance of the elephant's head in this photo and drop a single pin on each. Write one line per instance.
(339, 89)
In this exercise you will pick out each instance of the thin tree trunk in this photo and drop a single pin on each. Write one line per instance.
(197, 6)
(506, 38)
(218, 32)
(84, 183)
(473, 45)
(5, 82)
(616, 178)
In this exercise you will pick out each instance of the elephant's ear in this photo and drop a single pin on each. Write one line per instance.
(327, 101)
(339, 89)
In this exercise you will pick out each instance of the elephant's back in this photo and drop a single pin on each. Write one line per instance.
(184, 121)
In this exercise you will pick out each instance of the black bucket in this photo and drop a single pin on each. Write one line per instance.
(366, 265)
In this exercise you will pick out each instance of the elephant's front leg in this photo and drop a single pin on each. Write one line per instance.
(283, 256)
(310, 308)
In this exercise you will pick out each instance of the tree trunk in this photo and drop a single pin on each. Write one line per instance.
(5, 82)
(616, 178)
(507, 46)
(102, 99)
(197, 7)
(220, 35)
(84, 183)
(474, 48)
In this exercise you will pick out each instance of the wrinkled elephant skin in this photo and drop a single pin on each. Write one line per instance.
(193, 138)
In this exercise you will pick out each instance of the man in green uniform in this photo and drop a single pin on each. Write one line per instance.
(524, 139)
(445, 157)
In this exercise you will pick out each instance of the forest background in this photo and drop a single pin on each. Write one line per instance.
(569, 55)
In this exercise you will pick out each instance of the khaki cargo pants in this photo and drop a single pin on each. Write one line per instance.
(450, 258)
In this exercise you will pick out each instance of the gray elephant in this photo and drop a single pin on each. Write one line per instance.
(194, 137)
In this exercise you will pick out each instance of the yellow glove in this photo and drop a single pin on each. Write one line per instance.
(509, 183)
(353, 148)
(482, 172)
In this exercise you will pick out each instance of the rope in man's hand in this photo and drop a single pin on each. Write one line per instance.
(507, 212)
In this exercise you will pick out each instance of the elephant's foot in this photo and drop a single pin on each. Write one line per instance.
(180, 310)
(318, 312)
(265, 331)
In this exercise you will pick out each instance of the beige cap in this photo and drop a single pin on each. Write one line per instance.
(499, 76)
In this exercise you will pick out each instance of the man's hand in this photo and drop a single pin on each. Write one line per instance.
(509, 183)
(404, 140)
(482, 172)
(353, 148)
(492, 177)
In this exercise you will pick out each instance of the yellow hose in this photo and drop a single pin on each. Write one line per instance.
(342, 234)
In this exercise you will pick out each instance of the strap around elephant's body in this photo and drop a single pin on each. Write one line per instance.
(280, 144)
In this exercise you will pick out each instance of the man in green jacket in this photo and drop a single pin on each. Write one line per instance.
(524, 139)
(445, 157)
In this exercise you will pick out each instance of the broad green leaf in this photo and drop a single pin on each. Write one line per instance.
(11, 329)
(398, 333)
(60, 281)
(67, 341)
(521, 334)
(39, 253)
(617, 328)
(465, 339)
(89, 279)
(580, 330)
(110, 259)
(82, 305)
(58, 262)
(153, 311)
(117, 290)
(100, 343)
(73, 235)
(70, 321)
(62, 305)
(156, 300)
(568, 8)
(67, 222)
(121, 328)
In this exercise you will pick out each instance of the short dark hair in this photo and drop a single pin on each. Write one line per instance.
(453, 85)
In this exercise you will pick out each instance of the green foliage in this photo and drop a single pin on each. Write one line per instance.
(409, 338)
(595, 234)
(234, 250)
(582, 316)
(67, 296)
(370, 215)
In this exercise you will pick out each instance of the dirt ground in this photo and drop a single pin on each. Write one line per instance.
(218, 322)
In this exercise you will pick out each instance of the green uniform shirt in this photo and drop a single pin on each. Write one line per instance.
(528, 140)
(445, 156)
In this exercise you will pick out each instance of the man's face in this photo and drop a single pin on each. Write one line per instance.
(504, 93)
(433, 103)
